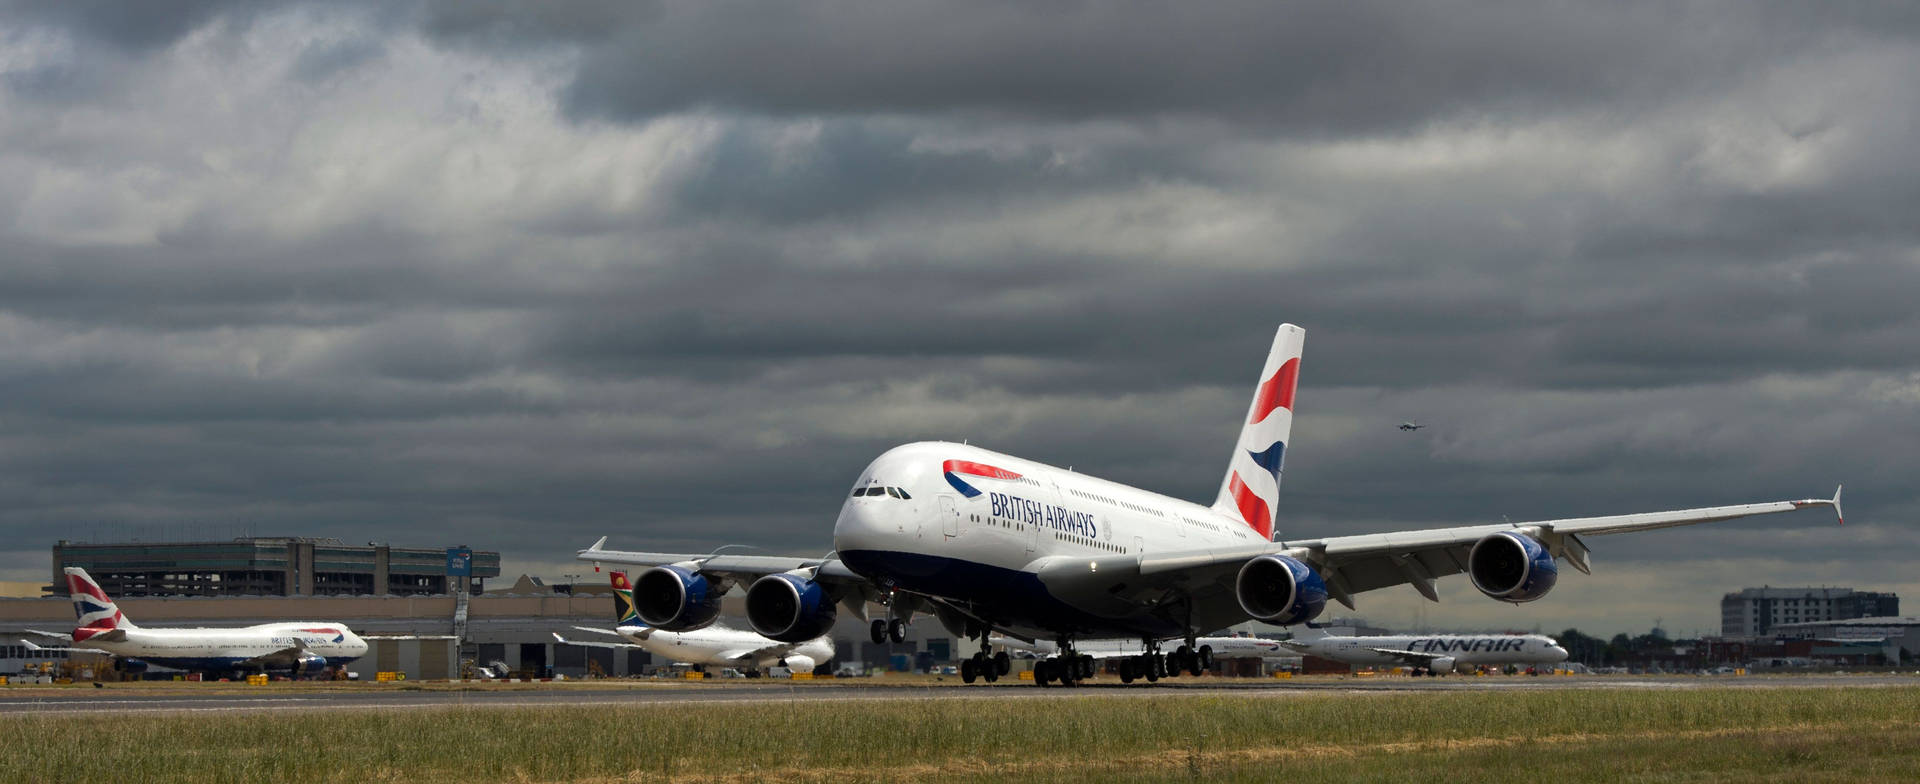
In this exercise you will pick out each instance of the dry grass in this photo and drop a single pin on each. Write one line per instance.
(1855, 734)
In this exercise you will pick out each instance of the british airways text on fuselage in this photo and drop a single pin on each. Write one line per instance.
(1058, 518)
(1481, 645)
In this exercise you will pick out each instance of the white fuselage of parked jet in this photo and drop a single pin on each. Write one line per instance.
(1434, 651)
(219, 649)
(719, 646)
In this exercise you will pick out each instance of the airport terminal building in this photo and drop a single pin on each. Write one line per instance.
(271, 566)
(1754, 612)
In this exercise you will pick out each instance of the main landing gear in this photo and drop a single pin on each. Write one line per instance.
(885, 631)
(1067, 669)
(986, 664)
(1154, 665)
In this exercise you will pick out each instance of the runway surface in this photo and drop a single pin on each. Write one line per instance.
(18, 701)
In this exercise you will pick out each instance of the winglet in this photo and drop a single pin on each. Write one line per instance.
(1836, 504)
(597, 545)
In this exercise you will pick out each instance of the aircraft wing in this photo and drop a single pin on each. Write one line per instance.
(1197, 585)
(54, 635)
(762, 652)
(408, 637)
(843, 583)
(70, 649)
(595, 644)
(1414, 658)
(830, 570)
(641, 632)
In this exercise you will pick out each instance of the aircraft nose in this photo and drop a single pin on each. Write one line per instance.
(1560, 653)
(859, 526)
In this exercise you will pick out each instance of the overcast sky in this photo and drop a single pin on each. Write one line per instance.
(520, 274)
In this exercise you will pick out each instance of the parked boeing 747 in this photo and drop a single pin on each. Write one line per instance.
(991, 542)
(712, 646)
(1431, 654)
(298, 648)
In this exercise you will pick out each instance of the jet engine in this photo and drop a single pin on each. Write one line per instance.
(676, 598)
(1512, 567)
(1280, 590)
(129, 666)
(309, 664)
(789, 608)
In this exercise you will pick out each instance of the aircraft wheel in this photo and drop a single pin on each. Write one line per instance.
(967, 673)
(1042, 672)
(1003, 662)
(1193, 664)
(1147, 669)
(897, 630)
(1126, 670)
(1206, 657)
(1087, 667)
(879, 632)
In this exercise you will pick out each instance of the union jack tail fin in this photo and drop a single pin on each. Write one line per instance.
(93, 611)
(624, 613)
(1251, 490)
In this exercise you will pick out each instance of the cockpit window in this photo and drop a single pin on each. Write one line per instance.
(903, 493)
(872, 491)
(893, 491)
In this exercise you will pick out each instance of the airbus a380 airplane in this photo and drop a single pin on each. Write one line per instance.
(1431, 653)
(992, 542)
(715, 646)
(298, 647)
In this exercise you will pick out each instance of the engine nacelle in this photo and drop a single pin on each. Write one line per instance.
(1512, 567)
(675, 598)
(129, 666)
(307, 665)
(1442, 664)
(1280, 590)
(789, 608)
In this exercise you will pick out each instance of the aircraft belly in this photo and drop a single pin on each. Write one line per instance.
(1011, 597)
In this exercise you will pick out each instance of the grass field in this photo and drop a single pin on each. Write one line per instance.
(1547, 737)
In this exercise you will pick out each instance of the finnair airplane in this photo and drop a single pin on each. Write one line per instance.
(713, 646)
(1431, 654)
(299, 648)
(991, 542)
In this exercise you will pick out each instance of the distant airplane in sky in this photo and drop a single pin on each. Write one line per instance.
(714, 646)
(298, 648)
(988, 542)
(1411, 425)
(1431, 653)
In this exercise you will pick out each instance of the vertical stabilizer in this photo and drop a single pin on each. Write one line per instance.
(1251, 490)
(624, 613)
(94, 613)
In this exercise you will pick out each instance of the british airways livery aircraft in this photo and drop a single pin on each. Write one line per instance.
(299, 647)
(990, 542)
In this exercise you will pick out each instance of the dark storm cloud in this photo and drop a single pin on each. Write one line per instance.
(523, 274)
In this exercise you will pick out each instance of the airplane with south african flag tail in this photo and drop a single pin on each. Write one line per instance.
(988, 542)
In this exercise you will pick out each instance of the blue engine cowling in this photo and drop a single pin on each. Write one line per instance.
(789, 608)
(675, 598)
(1280, 590)
(1512, 567)
(307, 665)
(129, 666)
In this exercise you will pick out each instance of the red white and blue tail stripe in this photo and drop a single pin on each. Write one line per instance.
(1251, 490)
(94, 613)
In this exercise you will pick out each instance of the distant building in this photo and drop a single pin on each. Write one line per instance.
(1754, 612)
(269, 566)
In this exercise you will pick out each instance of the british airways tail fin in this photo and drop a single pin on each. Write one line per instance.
(624, 613)
(1251, 490)
(94, 612)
